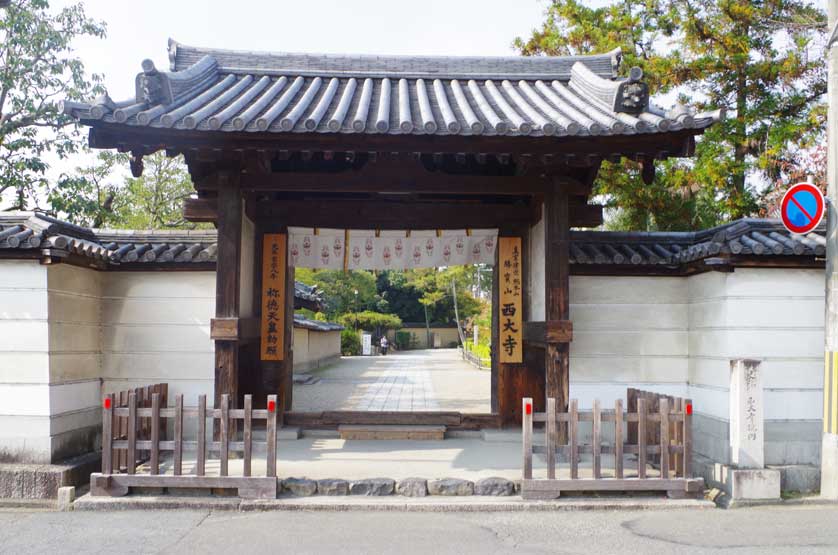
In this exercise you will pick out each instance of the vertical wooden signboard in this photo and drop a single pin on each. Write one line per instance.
(274, 267)
(510, 321)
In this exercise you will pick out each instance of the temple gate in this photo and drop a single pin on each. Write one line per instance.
(275, 141)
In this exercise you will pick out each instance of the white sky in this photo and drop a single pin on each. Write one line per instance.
(136, 31)
(434, 27)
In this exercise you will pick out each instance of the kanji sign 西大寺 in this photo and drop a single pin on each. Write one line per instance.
(510, 314)
(273, 296)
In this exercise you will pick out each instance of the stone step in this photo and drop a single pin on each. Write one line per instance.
(391, 432)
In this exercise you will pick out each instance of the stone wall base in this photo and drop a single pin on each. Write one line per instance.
(41, 481)
(741, 485)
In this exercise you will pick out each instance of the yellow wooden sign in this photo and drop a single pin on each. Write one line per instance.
(510, 312)
(274, 247)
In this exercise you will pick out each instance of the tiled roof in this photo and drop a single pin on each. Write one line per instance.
(749, 237)
(34, 232)
(221, 90)
(316, 325)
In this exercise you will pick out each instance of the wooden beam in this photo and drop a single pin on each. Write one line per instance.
(200, 209)
(108, 135)
(224, 329)
(557, 283)
(374, 214)
(229, 221)
(406, 180)
(556, 331)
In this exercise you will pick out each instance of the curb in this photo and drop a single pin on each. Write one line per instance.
(343, 504)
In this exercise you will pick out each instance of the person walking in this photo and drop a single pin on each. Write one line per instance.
(384, 344)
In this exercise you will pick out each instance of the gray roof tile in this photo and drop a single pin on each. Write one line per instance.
(222, 90)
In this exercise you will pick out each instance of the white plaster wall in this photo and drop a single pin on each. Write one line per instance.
(24, 362)
(775, 316)
(772, 315)
(299, 344)
(627, 332)
(156, 329)
(535, 299)
(50, 344)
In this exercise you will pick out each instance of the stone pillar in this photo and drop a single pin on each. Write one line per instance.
(747, 427)
(746, 480)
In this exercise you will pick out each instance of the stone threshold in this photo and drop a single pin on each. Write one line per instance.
(387, 503)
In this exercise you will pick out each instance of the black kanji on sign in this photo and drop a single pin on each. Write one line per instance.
(509, 325)
(508, 309)
(509, 345)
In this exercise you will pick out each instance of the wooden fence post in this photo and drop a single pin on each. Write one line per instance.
(618, 438)
(550, 438)
(248, 434)
(202, 435)
(527, 436)
(225, 432)
(107, 434)
(271, 436)
(178, 468)
(155, 433)
(573, 436)
(596, 440)
(664, 437)
(641, 438)
(132, 433)
(688, 438)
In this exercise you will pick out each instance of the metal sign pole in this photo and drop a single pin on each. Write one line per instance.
(829, 448)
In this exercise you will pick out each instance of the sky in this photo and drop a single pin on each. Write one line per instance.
(136, 31)
(433, 27)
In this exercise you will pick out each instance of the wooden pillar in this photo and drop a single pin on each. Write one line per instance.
(557, 295)
(225, 326)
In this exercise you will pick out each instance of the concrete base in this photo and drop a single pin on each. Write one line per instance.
(799, 478)
(748, 484)
(389, 503)
(829, 466)
(41, 481)
(288, 432)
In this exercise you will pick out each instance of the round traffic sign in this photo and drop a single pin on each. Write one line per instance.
(802, 208)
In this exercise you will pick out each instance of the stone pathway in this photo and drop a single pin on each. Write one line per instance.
(422, 380)
(401, 388)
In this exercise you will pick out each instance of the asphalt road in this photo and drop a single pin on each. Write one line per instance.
(765, 530)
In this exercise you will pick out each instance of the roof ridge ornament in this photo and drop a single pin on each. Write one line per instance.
(627, 95)
(163, 87)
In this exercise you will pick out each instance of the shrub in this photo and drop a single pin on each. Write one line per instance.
(402, 340)
(350, 342)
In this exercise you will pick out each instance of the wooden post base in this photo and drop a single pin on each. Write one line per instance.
(118, 485)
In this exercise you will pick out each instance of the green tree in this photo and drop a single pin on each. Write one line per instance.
(37, 70)
(343, 292)
(369, 320)
(155, 199)
(87, 196)
(759, 60)
(100, 193)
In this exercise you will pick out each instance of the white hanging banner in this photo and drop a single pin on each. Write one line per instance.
(389, 250)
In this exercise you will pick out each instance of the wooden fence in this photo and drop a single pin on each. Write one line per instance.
(119, 426)
(674, 475)
(114, 483)
(653, 433)
(475, 360)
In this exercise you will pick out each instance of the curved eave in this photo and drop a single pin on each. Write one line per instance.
(147, 140)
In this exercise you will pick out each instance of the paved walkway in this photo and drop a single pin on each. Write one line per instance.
(424, 380)
(758, 531)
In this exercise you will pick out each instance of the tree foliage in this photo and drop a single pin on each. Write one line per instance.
(101, 193)
(758, 60)
(371, 321)
(37, 70)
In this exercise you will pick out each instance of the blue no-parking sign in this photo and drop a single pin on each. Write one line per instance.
(802, 208)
